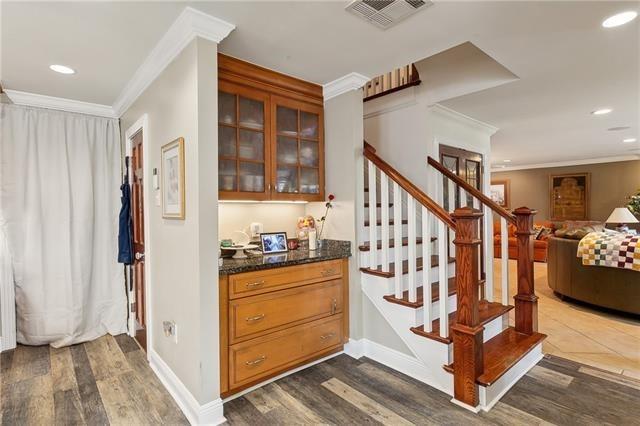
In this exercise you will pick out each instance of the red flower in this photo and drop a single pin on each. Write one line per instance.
(331, 197)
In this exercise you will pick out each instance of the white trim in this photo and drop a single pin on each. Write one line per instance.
(7, 308)
(143, 124)
(354, 348)
(190, 24)
(474, 410)
(567, 163)
(344, 84)
(62, 104)
(448, 112)
(210, 413)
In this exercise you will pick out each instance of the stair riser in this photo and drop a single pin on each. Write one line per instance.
(364, 255)
(405, 232)
(451, 271)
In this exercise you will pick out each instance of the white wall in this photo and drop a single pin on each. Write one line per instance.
(182, 253)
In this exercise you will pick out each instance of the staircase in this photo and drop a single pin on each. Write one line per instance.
(429, 272)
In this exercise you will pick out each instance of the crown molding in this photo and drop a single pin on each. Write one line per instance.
(450, 113)
(346, 83)
(567, 163)
(63, 104)
(190, 24)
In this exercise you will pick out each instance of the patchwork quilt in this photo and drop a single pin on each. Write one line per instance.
(615, 250)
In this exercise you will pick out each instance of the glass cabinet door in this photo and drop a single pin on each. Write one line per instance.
(298, 156)
(242, 142)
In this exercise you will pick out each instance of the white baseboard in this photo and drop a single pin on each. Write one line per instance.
(354, 348)
(210, 413)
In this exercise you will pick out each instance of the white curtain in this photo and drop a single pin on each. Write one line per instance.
(59, 195)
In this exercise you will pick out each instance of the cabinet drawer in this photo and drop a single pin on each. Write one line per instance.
(258, 358)
(256, 315)
(251, 283)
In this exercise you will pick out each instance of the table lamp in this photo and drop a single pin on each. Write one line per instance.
(621, 216)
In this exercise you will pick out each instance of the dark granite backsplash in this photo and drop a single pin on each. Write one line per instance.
(333, 249)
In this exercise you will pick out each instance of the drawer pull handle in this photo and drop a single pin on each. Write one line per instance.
(327, 336)
(254, 319)
(327, 272)
(257, 360)
(256, 284)
(334, 306)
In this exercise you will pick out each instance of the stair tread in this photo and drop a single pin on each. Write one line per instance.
(377, 205)
(488, 312)
(435, 295)
(379, 222)
(405, 267)
(503, 352)
(405, 242)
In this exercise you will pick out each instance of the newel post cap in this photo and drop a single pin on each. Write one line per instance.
(524, 211)
(466, 213)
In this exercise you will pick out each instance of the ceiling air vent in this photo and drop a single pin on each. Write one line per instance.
(386, 13)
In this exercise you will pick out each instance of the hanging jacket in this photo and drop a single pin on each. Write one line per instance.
(125, 242)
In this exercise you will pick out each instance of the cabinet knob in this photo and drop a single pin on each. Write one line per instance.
(254, 319)
(256, 284)
(257, 360)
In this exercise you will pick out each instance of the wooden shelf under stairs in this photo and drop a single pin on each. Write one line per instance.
(502, 352)
(405, 267)
(405, 242)
(488, 312)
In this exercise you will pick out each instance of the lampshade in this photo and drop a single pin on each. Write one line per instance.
(622, 215)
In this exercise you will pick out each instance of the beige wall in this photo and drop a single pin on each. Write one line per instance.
(611, 184)
(182, 253)
(274, 217)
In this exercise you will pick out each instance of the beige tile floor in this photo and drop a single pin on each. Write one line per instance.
(580, 332)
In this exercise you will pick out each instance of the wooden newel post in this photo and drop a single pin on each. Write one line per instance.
(467, 332)
(526, 301)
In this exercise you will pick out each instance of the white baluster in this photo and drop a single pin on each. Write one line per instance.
(384, 209)
(476, 203)
(426, 267)
(411, 248)
(443, 292)
(487, 242)
(373, 238)
(463, 197)
(397, 239)
(504, 261)
(452, 196)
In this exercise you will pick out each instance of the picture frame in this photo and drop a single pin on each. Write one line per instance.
(569, 196)
(173, 180)
(500, 192)
(273, 242)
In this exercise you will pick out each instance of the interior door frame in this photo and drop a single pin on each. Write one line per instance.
(142, 124)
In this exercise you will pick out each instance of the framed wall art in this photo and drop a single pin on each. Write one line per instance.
(499, 192)
(569, 196)
(173, 180)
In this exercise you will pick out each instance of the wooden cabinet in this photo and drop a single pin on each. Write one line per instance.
(281, 318)
(270, 135)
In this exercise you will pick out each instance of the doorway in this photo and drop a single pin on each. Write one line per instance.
(138, 310)
(468, 166)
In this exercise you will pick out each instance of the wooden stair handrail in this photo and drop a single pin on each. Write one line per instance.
(472, 190)
(413, 190)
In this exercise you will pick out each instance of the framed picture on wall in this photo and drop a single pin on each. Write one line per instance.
(499, 192)
(172, 167)
(569, 196)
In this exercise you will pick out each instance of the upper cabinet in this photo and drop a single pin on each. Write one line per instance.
(270, 135)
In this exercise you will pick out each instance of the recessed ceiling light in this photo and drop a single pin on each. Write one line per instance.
(506, 161)
(62, 69)
(629, 140)
(601, 111)
(619, 19)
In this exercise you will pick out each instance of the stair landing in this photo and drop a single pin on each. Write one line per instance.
(502, 352)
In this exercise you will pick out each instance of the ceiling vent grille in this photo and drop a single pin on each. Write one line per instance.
(386, 13)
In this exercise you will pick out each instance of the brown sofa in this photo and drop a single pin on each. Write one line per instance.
(539, 245)
(613, 288)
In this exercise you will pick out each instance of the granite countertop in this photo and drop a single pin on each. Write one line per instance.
(333, 249)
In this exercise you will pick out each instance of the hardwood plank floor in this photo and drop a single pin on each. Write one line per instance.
(42, 385)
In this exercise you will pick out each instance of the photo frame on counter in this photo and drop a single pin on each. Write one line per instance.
(173, 185)
(273, 242)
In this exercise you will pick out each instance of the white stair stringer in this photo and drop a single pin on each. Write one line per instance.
(434, 355)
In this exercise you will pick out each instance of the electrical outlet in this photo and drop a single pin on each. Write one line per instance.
(170, 329)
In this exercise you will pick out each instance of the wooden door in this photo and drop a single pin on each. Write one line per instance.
(137, 213)
(243, 146)
(467, 165)
(297, 150)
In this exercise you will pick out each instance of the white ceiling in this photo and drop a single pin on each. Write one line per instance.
(566, 63)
